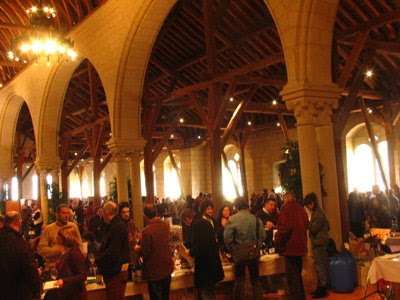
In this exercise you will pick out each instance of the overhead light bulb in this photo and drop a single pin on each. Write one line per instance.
(274, 102)
(278, 124)
(231, 99)
(249, 123)
(369, 73)
(172, 136)
(181, 120)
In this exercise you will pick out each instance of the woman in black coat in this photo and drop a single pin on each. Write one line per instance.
(208, 268)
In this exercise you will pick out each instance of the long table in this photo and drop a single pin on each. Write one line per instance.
(182, 279)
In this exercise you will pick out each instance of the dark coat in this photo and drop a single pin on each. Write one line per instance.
(19, 278)
(208, 268)
(264, 217)
(157, 258)
(291, 237)
(114, 249)
(319, 228)
(71, 269)
(98, 227)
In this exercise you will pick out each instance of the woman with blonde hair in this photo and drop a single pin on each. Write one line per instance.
(70, 266)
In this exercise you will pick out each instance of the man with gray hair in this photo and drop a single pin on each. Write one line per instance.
(19, 275)
(113, 255)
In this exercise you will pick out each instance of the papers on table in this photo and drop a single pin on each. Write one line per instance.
(50, 285)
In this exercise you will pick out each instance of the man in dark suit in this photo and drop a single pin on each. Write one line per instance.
(113, 254)
(19, 276)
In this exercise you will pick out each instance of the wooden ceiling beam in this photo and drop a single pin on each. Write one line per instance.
(353, 58)
(370, 24)
(382, 47)
(82, 128)
(257, 65)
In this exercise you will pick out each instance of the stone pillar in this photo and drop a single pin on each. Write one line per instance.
(309, 164)
(121, 163)
(44, 202)
(327, 158)
(137, 204)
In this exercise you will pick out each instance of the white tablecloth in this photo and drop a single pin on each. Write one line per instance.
(385, 267)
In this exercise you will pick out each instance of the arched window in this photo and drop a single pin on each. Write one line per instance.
(85, 188)
(74, 185)
(362, 169)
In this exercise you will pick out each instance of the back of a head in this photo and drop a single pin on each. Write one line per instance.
(12, 218)
(241, 203)
(69, 236)
(289, 197)
(310, 198)
(110, 208)
(150, 211)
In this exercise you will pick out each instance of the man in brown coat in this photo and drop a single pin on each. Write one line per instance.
(157, 258)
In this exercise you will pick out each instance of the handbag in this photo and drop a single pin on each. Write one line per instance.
(246, 251)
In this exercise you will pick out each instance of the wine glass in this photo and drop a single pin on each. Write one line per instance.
(53, 273)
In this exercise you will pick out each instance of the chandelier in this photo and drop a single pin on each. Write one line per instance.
(42, 41)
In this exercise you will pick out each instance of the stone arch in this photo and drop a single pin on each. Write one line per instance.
(132, 68)
(8, 120)
(47, 139)
(306, 31)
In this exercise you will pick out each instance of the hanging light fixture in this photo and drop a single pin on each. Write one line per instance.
(42, 41)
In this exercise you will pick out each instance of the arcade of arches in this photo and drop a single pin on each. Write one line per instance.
(200, 96)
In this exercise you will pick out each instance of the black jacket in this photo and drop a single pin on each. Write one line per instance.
(114, 249)
(264, 217)
(208, 268)
(19, 277)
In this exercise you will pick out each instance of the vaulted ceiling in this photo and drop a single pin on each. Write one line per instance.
(248, 63)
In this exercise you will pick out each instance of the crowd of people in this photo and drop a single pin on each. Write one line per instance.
(87, 240)
(375, 209)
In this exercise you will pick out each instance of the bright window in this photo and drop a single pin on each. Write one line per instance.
(228, 180)
(14, 188)
(363, 171)
(35, 190)
(143, 180)
(49, 180)
(85, 188)
(172, 188)
(102, 186)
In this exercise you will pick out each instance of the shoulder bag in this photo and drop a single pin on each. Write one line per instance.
(246, 251)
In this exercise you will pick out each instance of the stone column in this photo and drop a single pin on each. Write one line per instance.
(137, 204)
(309, 163)
(121, 163)
(327, 158)
(44, 202)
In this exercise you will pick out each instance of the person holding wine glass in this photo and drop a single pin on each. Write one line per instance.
(70, 267)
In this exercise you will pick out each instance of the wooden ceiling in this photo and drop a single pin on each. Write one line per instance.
(248, 64)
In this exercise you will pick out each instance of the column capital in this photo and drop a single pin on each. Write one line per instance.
(324, 114)
(126, 147)
(309, 101)
(48, 165)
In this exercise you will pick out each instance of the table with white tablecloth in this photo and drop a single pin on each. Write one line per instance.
(385, 267)
(182, 279)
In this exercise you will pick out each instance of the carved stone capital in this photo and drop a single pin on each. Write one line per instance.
(312, 104)
(48, 166)
(324, 114)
